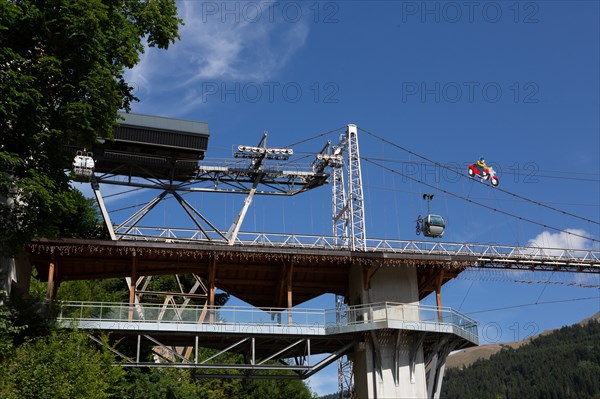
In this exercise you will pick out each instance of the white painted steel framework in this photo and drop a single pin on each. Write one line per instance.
(237, 319)
(249, 327)
(256, 170)
(482, 255)
(339, 207)
(356, 204)
(348, 200)
(348, 225)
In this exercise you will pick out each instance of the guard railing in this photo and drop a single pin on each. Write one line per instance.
(239, 318)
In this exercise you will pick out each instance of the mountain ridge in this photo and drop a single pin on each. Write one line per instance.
(468, 356)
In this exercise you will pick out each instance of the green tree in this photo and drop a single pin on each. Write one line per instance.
(25, 318)
(61, 78)
(563, 364)
(63, 365)
(160, 384)
(288, 389)
(106, 290)
(8, 327)
(83, 221)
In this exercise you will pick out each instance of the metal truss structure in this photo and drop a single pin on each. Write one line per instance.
(176, 302)
(489, 256)
(347, 196)
(255, 365)
(345, 366)
(263, 343)
(356, 203)
(339, 205)
(256, 170)
(348, 225)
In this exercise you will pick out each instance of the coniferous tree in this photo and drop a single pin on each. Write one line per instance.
(563, 364)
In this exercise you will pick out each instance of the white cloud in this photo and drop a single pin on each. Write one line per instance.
(568, 239)
(546, 244)
(564, 240)
(217, 46)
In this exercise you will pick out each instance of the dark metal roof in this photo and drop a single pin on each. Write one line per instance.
(164, 124)
(163, 132)
(153, 146)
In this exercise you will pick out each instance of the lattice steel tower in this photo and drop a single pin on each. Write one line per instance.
(348, 225)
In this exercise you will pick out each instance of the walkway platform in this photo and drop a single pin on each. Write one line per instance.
(261, 335)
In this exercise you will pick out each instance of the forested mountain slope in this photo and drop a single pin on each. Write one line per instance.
(562, 364)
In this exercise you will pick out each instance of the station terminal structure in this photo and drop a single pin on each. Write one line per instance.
(386, 344)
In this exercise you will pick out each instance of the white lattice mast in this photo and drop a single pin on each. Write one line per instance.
(348, 227)
(340, 216)
(356, 204)
(348, 201)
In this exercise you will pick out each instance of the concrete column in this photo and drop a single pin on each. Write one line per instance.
(15, 273)
(389, 363)
(7, 274)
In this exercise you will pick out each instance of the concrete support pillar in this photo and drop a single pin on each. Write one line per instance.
(15, 273)
(385, 368)
(389, 363)
(7, 275)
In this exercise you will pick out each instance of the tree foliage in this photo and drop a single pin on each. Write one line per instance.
(159, 384)
(561, 365)
(8, 326)
(66, 365)
(83, 221)
(61, 77)
(155, 383)
(61, 366)
(27, 318)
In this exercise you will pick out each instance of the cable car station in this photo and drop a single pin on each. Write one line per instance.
(396, 346)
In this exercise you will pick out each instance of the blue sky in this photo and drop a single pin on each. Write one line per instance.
(515, 82)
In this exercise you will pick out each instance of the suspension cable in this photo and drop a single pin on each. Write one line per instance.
(533, 304)
(474, 274)
(122, 192)
(514, 172)
(479, 203)
(420, 193)
(314, 137)
(463, 175)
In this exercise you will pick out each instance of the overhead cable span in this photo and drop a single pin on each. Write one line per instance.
(533, 304)
(479, 203)
(463, 175)
(316, 136)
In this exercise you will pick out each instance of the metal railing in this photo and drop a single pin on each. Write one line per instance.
(410, 317)
(159, 313)
(320, 321)
(575, 259)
